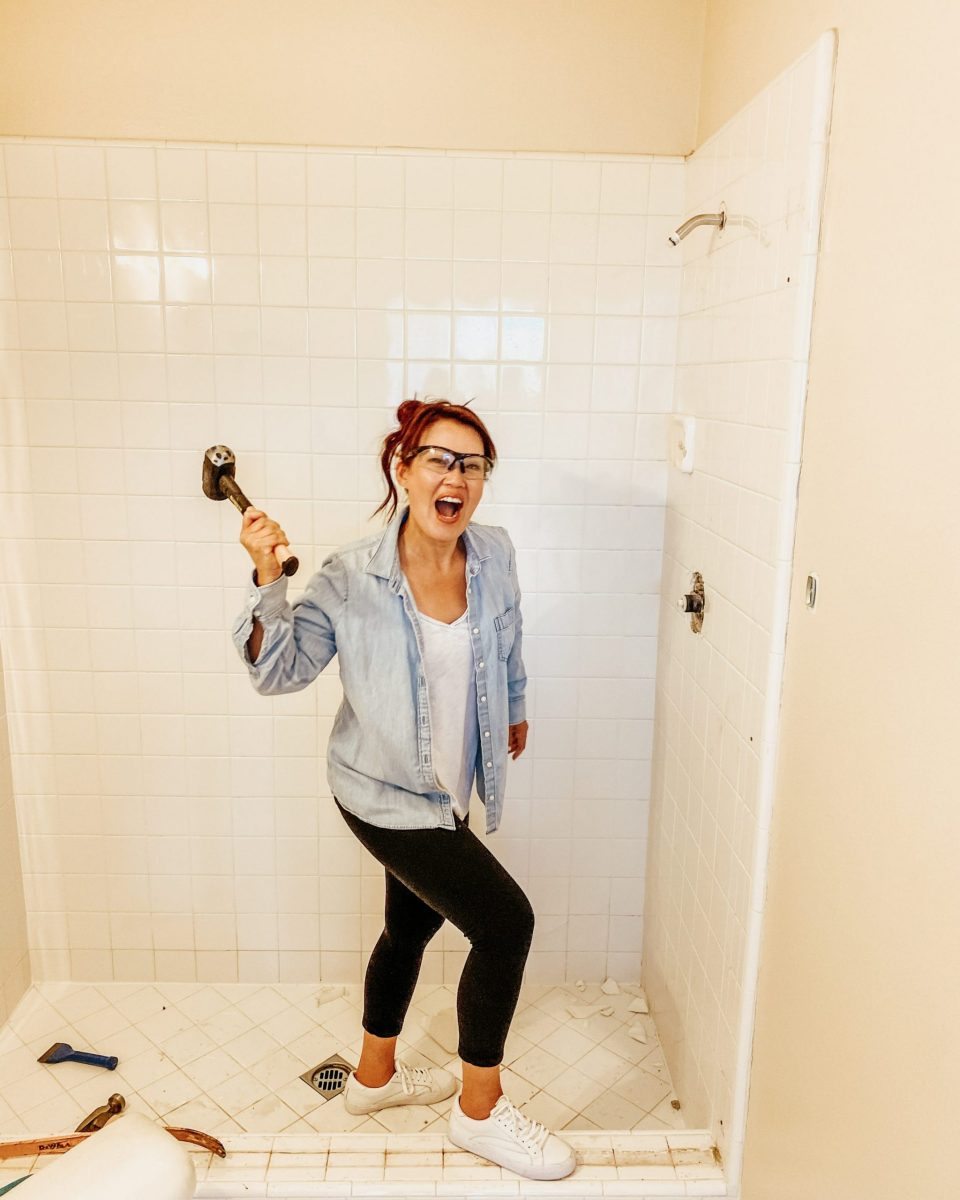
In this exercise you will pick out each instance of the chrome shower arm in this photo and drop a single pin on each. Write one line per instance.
(719, 219)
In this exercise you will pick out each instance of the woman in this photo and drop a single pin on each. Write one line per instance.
(425, 620)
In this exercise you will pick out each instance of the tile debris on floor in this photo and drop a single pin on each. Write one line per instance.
(227, 1058)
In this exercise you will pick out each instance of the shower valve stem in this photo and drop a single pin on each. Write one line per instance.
(694, 603)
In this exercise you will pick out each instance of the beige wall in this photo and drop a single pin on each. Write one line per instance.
(856, 1062)
(617, 76)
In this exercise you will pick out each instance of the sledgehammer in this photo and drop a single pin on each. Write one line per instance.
(219, 469)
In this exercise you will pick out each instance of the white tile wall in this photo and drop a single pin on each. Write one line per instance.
(746, 304)
(14, 953)
(155, 299)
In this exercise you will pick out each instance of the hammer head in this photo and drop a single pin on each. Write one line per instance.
(219, 461)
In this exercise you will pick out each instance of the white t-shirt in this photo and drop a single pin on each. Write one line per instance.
(452, 696)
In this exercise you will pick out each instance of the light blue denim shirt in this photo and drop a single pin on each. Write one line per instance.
(360, 607)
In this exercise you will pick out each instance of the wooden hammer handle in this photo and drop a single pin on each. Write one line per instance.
(60, 1143)
(288, 562)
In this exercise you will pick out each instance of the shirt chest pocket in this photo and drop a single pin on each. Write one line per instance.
(505, 624)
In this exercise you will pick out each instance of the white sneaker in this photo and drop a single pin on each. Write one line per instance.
(407, 1085)
(511, 1139)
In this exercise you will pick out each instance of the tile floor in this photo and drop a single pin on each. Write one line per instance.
(227, 1059)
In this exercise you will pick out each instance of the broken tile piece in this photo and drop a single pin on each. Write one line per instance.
(639, 1006)
(610, 987)
(328, 992)
(587, 1010)
(580, 985)
(637, 1032)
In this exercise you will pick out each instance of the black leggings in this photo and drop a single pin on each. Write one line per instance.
(432, 874)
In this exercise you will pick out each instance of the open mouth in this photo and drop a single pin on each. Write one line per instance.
(449, 509)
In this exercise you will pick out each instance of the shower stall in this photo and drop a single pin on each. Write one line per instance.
(178, 890)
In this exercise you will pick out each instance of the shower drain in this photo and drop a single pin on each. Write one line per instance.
(329, 1077)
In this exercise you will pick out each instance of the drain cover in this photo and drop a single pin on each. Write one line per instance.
(329, 1077)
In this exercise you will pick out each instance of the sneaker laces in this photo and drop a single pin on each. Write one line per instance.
(412, 1077)
(532, 1132)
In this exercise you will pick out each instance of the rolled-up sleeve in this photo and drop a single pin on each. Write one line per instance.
(516, 674)
(299, 639)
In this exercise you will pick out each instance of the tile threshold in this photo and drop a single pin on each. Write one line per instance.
(625, 1164)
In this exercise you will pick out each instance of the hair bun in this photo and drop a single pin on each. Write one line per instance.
(408, 409)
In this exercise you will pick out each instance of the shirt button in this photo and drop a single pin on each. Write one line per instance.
(483, 699)
(489, 764)
(486, 733)
(475, 629)
(481, 664)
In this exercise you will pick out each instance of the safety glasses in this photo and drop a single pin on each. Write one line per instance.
(440, 460)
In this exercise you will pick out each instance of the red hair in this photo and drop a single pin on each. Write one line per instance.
(414, 416)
